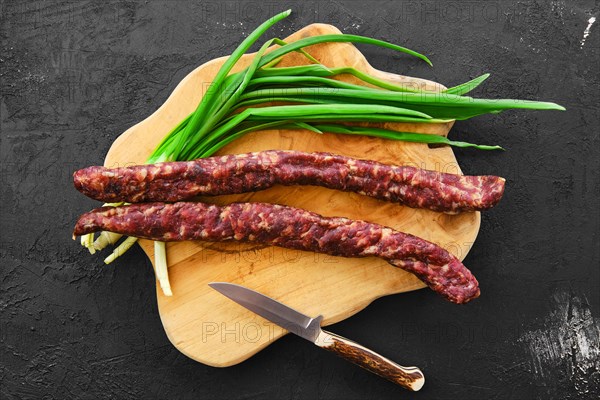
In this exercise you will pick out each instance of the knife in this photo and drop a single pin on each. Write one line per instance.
(310, 329)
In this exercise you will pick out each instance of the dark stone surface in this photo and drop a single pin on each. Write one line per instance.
(75, 74)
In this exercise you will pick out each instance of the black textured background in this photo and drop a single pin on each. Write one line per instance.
(76, 74)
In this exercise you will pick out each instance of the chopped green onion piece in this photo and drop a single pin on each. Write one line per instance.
(160, 264)
(121, 249)
(87, 241)
(105, 239)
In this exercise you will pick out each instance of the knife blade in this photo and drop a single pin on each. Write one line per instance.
(310, 329)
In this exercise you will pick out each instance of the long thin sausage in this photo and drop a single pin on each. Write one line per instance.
(241, 173)
(291, 228)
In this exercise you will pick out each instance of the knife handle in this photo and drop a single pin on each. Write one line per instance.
(410, 378)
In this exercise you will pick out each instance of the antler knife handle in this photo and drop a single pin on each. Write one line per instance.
(410, 378)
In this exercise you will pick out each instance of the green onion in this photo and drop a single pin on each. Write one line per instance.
(404, 136)
(467, 86)
(319, 70)
(440, 101)
(337, 38)
(195, 125)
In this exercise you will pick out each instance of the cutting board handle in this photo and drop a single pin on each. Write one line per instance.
(410, 378)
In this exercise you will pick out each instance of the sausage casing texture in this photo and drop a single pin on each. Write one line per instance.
(291, 228)
(241, 173)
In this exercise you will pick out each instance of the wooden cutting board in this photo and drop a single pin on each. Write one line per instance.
(212, 329)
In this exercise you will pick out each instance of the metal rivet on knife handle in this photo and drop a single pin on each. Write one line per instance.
(408, 377)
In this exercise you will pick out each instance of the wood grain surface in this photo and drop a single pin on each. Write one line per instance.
(212, 329)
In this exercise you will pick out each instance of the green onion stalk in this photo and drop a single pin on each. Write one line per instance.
(311, 100)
